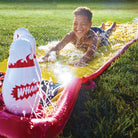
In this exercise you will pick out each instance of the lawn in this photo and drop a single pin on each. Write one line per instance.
(110, 109)
(51, 21)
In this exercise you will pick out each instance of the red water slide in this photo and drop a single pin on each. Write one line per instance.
(49, 127)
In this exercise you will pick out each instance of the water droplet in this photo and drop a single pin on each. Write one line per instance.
(24, 112)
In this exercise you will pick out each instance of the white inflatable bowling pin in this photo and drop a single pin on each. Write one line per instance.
(21, 83)
(19, 32)
(31, 39)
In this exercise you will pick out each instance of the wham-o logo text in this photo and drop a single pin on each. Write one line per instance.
(24, 91)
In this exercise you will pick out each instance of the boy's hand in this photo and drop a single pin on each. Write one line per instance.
(78, 63)
(42, 60)
(51, 57)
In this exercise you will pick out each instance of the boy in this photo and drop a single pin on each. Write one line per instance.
(83, 36)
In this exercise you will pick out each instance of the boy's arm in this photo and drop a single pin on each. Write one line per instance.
(58, 47)
(89, 53)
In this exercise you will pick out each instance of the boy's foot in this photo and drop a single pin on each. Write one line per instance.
(103, 26)
(111, 29)
(113, 26)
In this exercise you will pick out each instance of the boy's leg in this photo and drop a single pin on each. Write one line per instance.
(111, 29)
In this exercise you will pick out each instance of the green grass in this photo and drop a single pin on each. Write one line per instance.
(110, 109)
(51, 21)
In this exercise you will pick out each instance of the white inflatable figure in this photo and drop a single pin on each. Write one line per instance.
(31, 39)
(21, 84)
(19, 32)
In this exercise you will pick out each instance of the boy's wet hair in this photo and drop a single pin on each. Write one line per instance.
(83, 11)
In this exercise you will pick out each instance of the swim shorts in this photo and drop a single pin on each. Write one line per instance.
(103, 35)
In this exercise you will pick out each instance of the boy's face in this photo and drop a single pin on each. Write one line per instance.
(81, 25)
